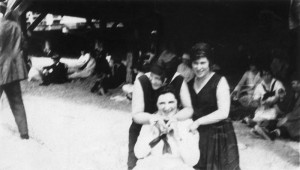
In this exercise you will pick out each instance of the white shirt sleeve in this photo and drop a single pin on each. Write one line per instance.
(189, 144)
(142, 148)
(258, 92)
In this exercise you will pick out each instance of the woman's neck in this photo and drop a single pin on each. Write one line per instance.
(254, 72)
(201, 79)
(268, 82)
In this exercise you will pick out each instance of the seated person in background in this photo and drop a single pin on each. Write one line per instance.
(168, 147)
(117, 78)
(184, 68)
(289, 125)
(55, 73)
(247, 84)
(267, 94)
(85, 68)
(242, 94)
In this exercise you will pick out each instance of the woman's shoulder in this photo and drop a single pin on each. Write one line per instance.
(217, 76)
(214, 79)
(144, 77)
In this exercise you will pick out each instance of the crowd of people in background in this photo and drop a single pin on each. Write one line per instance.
(260, 99)
(265, 98)
(183, 106)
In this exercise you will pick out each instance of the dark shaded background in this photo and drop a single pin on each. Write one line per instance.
(238, 30)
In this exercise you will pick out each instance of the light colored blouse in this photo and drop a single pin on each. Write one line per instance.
(249, 81)
(183, 144)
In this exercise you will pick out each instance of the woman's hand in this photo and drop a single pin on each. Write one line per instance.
(172, 124)
(158, 121)
(170, 121)
(173, 131)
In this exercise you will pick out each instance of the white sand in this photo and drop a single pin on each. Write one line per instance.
(64, 136)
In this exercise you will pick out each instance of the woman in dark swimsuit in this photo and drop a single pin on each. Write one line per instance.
(211, 103)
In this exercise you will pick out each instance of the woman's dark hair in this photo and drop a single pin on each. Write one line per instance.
(158, 70)
(254, 62)
(266, 69)
(168, 89)
(202, 50)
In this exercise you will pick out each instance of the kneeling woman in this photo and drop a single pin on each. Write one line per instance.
(167, 147)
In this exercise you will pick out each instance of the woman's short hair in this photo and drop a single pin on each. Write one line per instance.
(265, 69)
(168, 89)
(254, 62)
(202, 50)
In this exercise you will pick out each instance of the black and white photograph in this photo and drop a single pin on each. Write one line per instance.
(149, 84)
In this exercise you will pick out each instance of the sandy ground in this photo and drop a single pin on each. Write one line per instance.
(72, 129)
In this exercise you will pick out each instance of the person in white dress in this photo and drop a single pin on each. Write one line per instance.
(84, 68)
(167, 147)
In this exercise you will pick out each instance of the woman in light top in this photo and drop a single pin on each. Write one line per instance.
(211, 103)
(248, 82)
(167, 147)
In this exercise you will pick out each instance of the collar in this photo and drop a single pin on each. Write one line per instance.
(272, 81)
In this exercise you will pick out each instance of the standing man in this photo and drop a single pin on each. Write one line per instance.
(12, 67)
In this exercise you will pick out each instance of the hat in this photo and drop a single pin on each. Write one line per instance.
(55, 57)
(157, 69)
